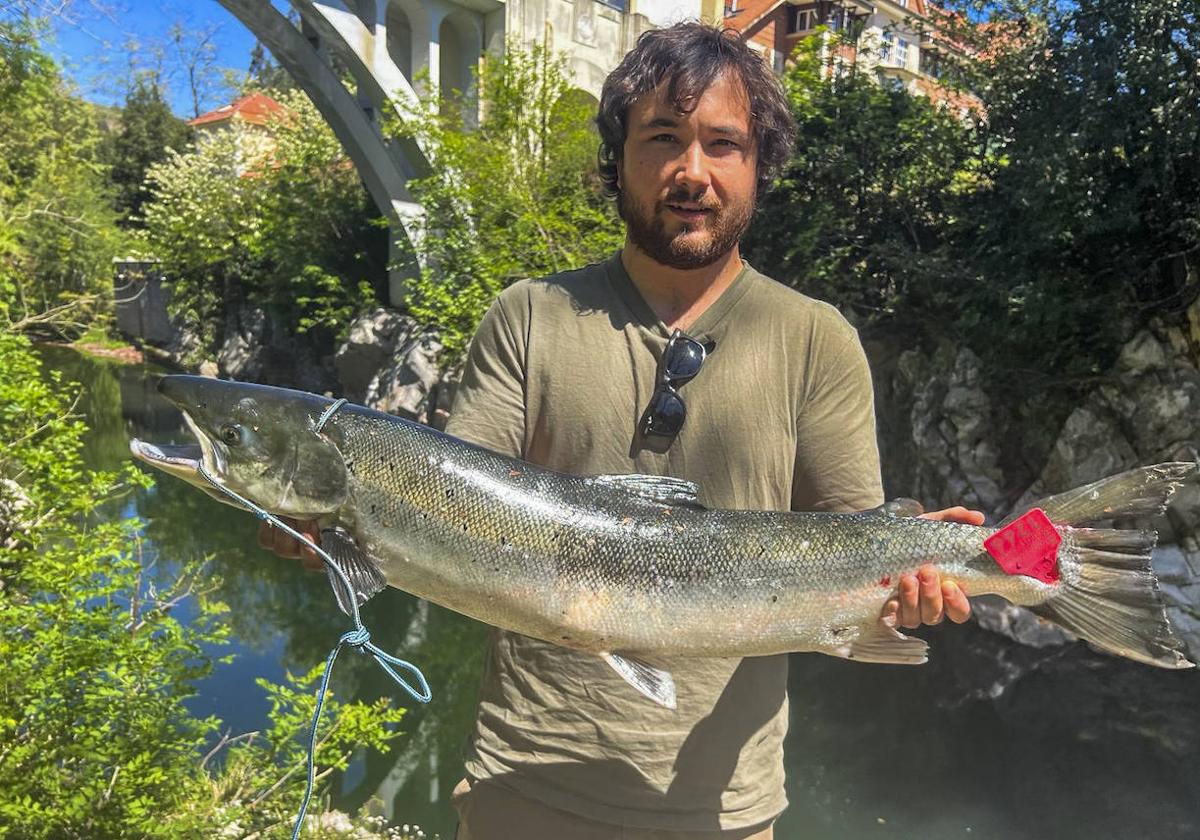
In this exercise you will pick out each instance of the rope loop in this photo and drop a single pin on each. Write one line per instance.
(359, 637)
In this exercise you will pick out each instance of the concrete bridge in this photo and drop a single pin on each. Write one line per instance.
(387, 44)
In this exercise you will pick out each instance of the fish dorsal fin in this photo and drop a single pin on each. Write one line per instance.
(880, 643)
(899, 508)
(362, 571)
(655, 683)
(657, 488)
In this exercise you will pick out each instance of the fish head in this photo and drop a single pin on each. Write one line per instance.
(258, 441)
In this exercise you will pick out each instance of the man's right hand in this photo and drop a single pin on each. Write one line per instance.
(285, 545)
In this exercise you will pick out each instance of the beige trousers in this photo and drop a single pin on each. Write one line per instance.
(489, 812)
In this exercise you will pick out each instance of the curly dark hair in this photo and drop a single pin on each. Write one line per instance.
(688, 57)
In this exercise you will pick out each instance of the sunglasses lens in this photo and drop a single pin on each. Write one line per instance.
(682, 360)
(665, 415)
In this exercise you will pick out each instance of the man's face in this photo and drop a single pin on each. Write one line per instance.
(687, 180)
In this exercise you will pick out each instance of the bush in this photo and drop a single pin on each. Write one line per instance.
(275, 216)
(95, 740)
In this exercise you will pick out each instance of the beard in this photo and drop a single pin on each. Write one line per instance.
(647, 229)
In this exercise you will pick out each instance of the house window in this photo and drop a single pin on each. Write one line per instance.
(901, 52)
(801, 20)
(930, 63)
(885, 48)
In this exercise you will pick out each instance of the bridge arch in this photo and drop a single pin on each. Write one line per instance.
(389, 43)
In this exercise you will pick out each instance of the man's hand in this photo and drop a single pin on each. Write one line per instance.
(285, 545)
(923, 598)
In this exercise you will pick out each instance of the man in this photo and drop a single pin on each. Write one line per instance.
(568, 372)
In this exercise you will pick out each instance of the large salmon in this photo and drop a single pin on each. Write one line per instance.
(632, 567)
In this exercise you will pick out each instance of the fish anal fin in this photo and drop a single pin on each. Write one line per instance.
(655, 683)
(656, 488)
(883, 644)
(360, 569)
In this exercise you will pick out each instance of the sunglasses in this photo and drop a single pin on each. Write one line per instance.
(680, 363)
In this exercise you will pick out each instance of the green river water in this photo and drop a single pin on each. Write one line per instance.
(1090, 748)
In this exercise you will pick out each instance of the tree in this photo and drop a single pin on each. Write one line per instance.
(195, 50)
(57, 226)
(1093, 222)
(273, 216)
(866, 212)
(518, 196)
(95, 739)
(264, 73)
(147, 131)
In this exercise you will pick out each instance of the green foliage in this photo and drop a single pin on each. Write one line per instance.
(57, 231)
(863, 212)
(147, 131)
(274, 216)
(517, 196)
(1039, 233)
(95, 740)
(1093, 222)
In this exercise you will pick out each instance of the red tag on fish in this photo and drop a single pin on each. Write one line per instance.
(1027, 546)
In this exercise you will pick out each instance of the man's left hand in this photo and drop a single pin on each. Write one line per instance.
(923, 598)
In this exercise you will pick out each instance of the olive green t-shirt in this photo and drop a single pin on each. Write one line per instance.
(780, 416)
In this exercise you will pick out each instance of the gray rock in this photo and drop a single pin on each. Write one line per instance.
(15, 514)
(404, 385)
(242, 353)
(1017, 623)
(951, 418)
(369, 346)
(1179, 575)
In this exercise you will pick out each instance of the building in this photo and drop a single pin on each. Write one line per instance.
(249, 117)
(896, 40)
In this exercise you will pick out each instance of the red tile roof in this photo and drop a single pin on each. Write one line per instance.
(256, 108)
(748, 12)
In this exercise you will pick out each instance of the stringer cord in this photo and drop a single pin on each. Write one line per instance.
(358, 638)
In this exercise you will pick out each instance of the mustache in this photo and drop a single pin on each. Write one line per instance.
(683, 196)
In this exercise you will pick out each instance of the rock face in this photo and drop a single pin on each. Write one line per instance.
(389, 363)
(941, 439)
(369, 345)
(950, 418)
(258, 347)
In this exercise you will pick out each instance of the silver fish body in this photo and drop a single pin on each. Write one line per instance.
(587, 563)
(634, 567)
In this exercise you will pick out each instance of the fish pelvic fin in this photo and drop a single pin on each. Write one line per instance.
(883, 644)
(1109, 595)
(655, 683)
(360, 569)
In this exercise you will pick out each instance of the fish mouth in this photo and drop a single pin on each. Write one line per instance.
(179, 460)
(183, 460)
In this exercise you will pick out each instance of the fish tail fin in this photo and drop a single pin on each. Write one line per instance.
(1108, 593)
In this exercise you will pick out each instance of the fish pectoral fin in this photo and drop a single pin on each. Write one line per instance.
(360, 569)
(883, 644)
(657, 488)
(655, 683)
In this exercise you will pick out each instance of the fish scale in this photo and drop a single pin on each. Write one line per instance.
(633, 568)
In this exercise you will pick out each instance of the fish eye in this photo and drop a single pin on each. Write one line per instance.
(231, 433)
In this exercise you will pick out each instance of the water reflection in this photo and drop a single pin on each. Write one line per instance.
(282, 618)
(1081, 747)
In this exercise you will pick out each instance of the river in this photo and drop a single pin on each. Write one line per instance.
(1080, 746)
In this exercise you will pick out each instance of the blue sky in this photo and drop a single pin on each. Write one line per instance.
(90, 42)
